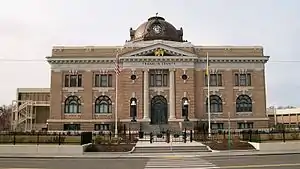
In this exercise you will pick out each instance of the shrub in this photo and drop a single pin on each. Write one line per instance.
(295, 136)
(159, 135)
(271, 136)
(103, 140)
(176, 135)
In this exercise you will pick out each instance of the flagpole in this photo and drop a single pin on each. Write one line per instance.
(116, 107)
(117, 71)
(208, 94)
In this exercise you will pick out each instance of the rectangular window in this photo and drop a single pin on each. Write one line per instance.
(245, 125)
(79, 80)
(217, 126)
(165, 79)
(103, 80)
(243, 79)
(158, 78)
(101, 127)
(71, 127)
(214, 80)
(73, 80)
(151, 80)
(97, 80)
(67, 81)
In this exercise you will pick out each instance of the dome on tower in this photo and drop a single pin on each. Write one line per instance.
(156, 28)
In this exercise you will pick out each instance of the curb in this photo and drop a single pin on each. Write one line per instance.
(245, 155)
(147, 156)
(68, 157)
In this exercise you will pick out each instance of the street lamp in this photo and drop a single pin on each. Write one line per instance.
(185, 110)
(133, 110)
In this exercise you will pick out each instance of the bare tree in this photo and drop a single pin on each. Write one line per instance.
(5, 117)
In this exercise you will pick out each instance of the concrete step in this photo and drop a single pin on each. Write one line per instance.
(169, 149)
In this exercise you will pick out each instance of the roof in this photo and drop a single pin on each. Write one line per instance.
(272, 111)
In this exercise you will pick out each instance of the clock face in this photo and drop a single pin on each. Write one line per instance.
(157, 29)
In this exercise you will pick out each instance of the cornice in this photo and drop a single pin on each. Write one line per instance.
(80, 60)
(83, 60)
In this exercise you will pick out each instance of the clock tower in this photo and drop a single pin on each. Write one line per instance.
(156, 28)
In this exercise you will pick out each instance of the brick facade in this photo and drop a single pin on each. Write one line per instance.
(227, 64)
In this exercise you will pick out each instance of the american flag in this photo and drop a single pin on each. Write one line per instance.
(117, 64)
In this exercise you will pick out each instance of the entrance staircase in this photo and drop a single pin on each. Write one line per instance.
(163, 147)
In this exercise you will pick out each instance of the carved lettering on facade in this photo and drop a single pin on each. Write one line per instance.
(159, 63)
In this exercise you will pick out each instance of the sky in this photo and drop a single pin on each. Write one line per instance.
(29, 29)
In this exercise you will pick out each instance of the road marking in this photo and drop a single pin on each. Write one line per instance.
(172, 157)
(259, 166)
(18, 168)
(179, 163)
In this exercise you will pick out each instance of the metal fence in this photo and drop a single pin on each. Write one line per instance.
(132, 137)
(39, 138)
(249, 135)
(65, 138)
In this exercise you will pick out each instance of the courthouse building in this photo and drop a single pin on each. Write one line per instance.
(159, 71)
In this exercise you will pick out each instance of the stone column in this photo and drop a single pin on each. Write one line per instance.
(146, 94)
(172, 94)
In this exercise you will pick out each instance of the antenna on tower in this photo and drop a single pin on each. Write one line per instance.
(156, 14)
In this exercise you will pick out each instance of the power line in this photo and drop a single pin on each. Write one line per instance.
(23, 60)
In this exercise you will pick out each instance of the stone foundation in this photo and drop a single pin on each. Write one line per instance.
(173, 126)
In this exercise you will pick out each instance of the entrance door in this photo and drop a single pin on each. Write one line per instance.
(159, 110)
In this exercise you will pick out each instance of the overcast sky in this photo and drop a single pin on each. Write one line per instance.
(29, 28)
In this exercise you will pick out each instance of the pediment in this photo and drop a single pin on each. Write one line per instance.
(158, 50)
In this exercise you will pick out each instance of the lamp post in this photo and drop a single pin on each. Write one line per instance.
(133, 110)
(186, 110)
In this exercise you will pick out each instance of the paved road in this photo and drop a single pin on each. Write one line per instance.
(230, 162)
(257, 162)
(33, 163)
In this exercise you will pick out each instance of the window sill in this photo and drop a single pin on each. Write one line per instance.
(72, 115)
(243, 87)
(161, 87)
(214, 87)
(217, 113)
(103, 114)
(243, 113)
(73, 89)
(103, 88)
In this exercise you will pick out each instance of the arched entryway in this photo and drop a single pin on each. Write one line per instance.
(159, 110)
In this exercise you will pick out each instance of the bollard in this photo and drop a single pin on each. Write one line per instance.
(151, 137)
(59, 138)
(168, 136)
(184, 136)
(14, 141)
(283, 135)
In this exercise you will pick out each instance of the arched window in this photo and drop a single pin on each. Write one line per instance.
(72, 104)
(216, 104)
(243, 104)
(103, 105)
(130, 106)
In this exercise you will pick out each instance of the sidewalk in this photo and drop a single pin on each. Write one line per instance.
(153, 155)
